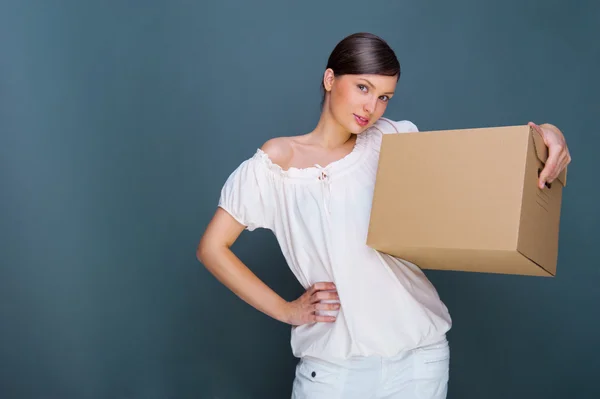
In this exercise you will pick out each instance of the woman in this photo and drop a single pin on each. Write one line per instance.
(369, 325)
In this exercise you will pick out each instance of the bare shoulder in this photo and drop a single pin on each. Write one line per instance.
(279, 150)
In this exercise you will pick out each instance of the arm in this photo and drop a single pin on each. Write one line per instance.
(214, 252)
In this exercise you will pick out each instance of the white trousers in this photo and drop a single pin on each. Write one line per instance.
(421, 373)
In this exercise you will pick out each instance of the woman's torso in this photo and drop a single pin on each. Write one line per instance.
(321, 223)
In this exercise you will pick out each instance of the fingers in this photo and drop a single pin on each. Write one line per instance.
(324, 319)
(537, 128)
(327, 306)
(563, 162)
(324, 295)
(320, 287)
(558, 159)
(323, 285)
(313, 297)
(551, 169)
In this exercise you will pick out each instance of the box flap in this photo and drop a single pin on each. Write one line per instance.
(542, 153)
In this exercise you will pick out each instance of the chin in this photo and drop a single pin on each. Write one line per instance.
(361, 129)
(355, 128)
(352, 127)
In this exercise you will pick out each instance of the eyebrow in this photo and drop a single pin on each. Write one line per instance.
(373, 86)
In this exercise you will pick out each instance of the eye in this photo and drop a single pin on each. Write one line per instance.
(362, 87)
(385, 99)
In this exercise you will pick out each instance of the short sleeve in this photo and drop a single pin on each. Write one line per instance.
(387, 126)
(247, 195)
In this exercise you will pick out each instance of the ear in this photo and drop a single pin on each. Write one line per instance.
(328, 78)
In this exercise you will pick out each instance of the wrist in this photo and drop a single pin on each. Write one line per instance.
(282, 311)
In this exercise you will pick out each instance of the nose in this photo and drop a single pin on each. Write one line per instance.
(370, 104)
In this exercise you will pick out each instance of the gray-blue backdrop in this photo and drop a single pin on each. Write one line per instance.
(120, 121)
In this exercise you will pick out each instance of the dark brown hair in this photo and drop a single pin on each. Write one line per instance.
(362, 53)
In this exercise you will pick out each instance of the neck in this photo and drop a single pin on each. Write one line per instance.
(329, 133)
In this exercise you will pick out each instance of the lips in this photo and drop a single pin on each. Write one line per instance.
(360, 120)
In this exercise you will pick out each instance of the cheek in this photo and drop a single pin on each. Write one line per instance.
(348, 96)
(340, 96)
(380, 109)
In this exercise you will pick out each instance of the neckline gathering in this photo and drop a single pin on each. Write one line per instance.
(333, 169)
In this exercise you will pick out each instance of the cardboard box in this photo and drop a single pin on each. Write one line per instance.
(467, 200)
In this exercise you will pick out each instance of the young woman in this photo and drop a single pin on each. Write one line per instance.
(369, 325)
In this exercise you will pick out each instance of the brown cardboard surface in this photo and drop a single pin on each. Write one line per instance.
(467, 200)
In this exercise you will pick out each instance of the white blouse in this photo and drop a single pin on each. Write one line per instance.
(320, 217)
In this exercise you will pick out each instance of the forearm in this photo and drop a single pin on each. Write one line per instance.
(236, 276)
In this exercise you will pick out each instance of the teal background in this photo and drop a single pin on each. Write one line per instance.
(120, 121)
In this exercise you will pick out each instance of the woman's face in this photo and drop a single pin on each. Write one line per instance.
(358, 101)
